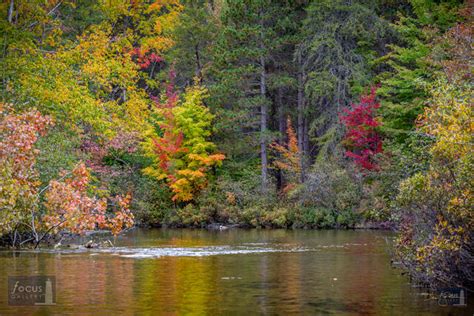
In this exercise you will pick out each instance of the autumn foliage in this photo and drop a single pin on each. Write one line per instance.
(288, 159)
(362, 140)
(437, 204)
(169, 144)
(68, 203)
(69, 206)
(436, 241)
(144, 58)
(182, 154)
(18, 175)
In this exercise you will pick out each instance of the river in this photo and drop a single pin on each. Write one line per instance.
(165, 271)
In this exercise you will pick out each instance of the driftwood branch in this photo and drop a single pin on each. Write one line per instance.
(47, 232)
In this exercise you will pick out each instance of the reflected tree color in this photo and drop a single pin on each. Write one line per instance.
(340, 272)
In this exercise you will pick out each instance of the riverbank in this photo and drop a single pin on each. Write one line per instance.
(271, 214)
(385, 225)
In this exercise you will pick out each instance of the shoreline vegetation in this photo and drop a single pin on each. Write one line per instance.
(279, 114)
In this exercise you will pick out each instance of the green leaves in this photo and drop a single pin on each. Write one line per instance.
(337, 41)
(180, 148)
(402, 87)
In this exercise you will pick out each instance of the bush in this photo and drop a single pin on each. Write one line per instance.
(252, 216)
(192, 216)
(328, 221)
(277, 217)
(347, 219)
(152, 202)
(435, 206)
(332, 192)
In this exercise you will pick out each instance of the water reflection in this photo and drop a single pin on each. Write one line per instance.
(199, 272)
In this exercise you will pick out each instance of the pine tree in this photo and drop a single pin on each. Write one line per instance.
(338, 38)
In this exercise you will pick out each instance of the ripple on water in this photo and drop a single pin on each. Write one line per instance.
(157, 252)
(193, 251)
(170, 251)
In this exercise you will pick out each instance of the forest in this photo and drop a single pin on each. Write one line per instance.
(323, 114)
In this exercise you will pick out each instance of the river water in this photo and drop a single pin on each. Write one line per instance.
(199, 272)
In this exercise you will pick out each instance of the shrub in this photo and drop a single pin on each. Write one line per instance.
(192, 216)
(277, 217)
(435, 206)
(329, 188)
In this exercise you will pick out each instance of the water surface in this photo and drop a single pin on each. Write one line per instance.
(152, 271)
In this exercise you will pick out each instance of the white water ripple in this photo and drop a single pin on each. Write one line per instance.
(203, 251)
(191, 251)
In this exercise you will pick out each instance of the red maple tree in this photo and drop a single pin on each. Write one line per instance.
(170, 143)
(144, 58)
(362, 140)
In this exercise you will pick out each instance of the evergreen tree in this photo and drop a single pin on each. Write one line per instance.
(338, 39)
(243, 55)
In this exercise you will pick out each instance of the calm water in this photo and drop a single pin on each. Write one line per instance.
(153, 272)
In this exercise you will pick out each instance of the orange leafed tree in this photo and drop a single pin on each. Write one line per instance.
(69, 206)
(19, 179)
(179, 145)
(288, 159)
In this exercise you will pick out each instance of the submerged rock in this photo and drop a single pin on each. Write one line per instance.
(102, 244)
(220, 227)
(91, 244)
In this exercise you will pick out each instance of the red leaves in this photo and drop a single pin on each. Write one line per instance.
(123, 142)
(67, 202)
(170, 143)
(361, 139)
(145, 59)
(69, 206)
(18, 136)
(167, 147)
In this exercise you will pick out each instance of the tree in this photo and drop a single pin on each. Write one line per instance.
(68, 206)
(435, 242)
(194, 36)
(179, 144)
(408, 66)
(67, 203)
(288, 159)
(362, 140)
(18, 176)
(244, 55)
(338, 38)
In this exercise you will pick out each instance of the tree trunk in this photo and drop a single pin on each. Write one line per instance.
(10, 11)
(282, 129)
(263, 110)
(198, 64)
(300, 110)
(306, 153)
(281, 116)
(263, 125)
